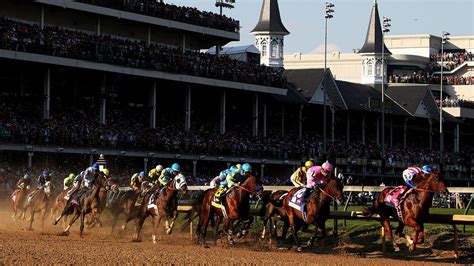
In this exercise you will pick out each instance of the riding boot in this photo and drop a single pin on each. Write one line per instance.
(306, 194)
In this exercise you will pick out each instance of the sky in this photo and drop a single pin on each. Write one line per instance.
(346, 31)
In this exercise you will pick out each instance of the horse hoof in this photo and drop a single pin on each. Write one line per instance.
(123, 227)
(136, 240)
(397, 249)
(299, 249)
(231, 242)
(64, 233)
(411, 248)
(309, 244)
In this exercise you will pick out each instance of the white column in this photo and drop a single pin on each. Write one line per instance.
(262, 170)
(194, 168)
(187, 119)
(348, 127)
(98, 25)
(300, 121)
(47, 94)
(363, 129)
(378, 131)
(42, 17)
(223, 111)
(264, 120)
(255, 116)
(405, 133)
(30, 159)
(103, 101)
(152, 105)
(218, 49)
(283, 120)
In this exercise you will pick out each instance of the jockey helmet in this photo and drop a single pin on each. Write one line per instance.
(106, 172)
(176, 167)
(71, 176)
(26, 177)
(95, 166)
(134, 177)
(159, 168)
(77, 178)
(327, 166)
(45, 172)
(238, 166)
(427, 169)
(246, 167)
(233, 168)
(142, 174)
(308, 164)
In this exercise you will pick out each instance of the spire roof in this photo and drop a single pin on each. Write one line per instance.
(373, 40)
(270, 20)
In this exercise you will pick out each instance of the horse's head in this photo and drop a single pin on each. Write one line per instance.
(179, 183)
(434, 182)
(102, 181)
(48, 188)
(334, 189)
(253, 184)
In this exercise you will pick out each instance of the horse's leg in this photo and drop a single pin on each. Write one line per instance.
(81, 228)
(141, 219)
(313, 235)
(115, 216)
(217, 222)
(76, 216)
(156, 223)
(32, 218)
(412, 223)
(388, 232)
(228, 228)
(169, 226)
(203, 224)
(291, 219)
(421, 236)
(322, 230)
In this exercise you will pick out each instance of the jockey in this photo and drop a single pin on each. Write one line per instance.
(136, 180)
(413, 172)
(76, 184)
(169, 174)
(297, 177)
(90, 174)
(25, 181)
(317, 176)
(68, 181)
(43, 178)
(155, 173)
(220, 180)
(238, 175)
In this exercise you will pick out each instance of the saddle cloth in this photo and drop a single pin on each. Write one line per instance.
(296, 200)
(392, 197)
(216, 199)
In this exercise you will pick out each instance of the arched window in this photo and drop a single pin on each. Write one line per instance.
(280, 50)
(274, 49)
(370, 70)
(364, 69)
(378, 68)
(264, 49)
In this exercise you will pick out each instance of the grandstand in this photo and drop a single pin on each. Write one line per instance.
(127, 80)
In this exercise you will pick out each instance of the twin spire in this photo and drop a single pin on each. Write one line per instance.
(270, 20)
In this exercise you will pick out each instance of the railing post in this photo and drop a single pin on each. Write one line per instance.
(334, 230)
(346, 205)
(466, 211)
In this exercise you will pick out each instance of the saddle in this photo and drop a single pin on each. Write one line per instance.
(218, 200)
(395, 197)
(297, 202)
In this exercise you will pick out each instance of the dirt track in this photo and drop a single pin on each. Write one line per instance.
(18, 246)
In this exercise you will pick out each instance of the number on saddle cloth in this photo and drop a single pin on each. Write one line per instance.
(296, 200)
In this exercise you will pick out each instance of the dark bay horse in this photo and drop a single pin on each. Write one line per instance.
(88, 202)
(166, 206)
(315, 208)
(236, 203)
(415, 208)
(39, 201)
(275, 211)
(18, 197)
(123, 203)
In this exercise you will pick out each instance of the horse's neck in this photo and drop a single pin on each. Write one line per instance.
(425, 197)
(169, 194)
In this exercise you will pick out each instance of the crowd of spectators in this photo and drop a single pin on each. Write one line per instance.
(163, 10)
(56, 41)
(448, 102)
(424, 78)
(451, 60)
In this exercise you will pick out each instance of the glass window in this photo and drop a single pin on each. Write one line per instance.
(370, 71)
(378, 68)
(274, 49)
(264, 49)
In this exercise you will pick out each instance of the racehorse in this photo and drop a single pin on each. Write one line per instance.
(39, 201)
(315, 207)
(414, 208)
(18, 197)
(165, 205)
(236, 206)
(273, 209)
(123, 202)
(87, 202)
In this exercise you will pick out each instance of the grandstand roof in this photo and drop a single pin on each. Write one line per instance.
(373, 40)
(270, 20)
(304, 81)
(236, 49)
(410, 97)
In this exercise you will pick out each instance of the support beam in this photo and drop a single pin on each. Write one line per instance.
(184, 43)
(391, 132)
(300, 121)
(456, 138)
(145, 165)
(195, 168)
(283, 120)
(262, 170)
(30, 159)
(264, 120)
(152, 105)
(187, 118)
(430, 133)
(47, 94)
(405, 133)
(223, 111)
(218, 49)
(148, 37)
(363, 129)
(103, 101)
(98, 26)
(378, 131)
(255, 116)
(22, 84)
(348, 127)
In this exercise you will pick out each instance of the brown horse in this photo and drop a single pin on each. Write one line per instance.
(87, 202)
(166, 206)
(58, 204)
(18, 197)
(39, 201)
(275, 211)
(415, 208)
(236, 203)
(315, 206)
(123, 202)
